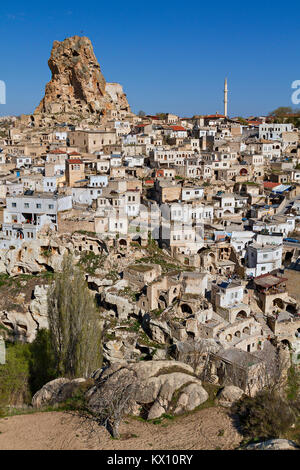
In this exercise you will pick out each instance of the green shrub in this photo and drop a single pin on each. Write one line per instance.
(89, 261)
(28, 367)
(14, 376)
(41, 361)
(265, 416)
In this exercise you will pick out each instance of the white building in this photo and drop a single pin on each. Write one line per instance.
(192, 193)
(134, 161)
(49, 184)
(262, 259)
(227, 294)
(273, 131)
(98, 181)
(26, 214)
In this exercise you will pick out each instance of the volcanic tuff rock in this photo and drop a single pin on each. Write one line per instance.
(77, 84)
(229, 395)
(273, 444)
(56, 391)
(163, 386)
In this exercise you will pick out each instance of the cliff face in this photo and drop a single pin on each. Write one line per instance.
(77, 85)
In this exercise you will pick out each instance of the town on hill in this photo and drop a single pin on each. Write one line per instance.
(148, 263)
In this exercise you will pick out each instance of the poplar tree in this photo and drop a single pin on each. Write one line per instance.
(74, 323)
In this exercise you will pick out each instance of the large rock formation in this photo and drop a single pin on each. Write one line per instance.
(229, 395)
(77, 85)
(56, 391)
(163, 387)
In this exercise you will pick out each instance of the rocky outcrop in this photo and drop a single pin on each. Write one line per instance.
(121, 349)
(114, 299)
(158, 330)
(38, 306)
(163, 386)
(77, 85)
(229, 395)
(20, 324)
(274, 444)
(55, 392)
(45, 253)
(32, 257)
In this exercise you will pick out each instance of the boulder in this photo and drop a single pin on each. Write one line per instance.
(274, 444)
(229, 394)
(162, 386)
(55, 392)
(191, 396)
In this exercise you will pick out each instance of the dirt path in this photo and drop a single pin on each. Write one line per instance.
(210, 428)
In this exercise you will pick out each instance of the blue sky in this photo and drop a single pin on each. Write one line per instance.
(170, 56)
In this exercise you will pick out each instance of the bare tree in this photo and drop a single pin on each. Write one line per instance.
(276, 362)
(198, 357)
(74, 323)
(110, 401)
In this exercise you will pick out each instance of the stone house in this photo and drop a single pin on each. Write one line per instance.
(74, 171)
(141, 275)
(236, 367)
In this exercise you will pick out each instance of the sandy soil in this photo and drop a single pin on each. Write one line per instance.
(210, 428)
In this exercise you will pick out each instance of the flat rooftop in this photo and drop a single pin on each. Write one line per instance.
(40, 195)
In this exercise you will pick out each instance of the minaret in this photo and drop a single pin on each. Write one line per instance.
(225, 97)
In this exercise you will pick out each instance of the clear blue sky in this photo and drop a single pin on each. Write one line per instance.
(170, 56)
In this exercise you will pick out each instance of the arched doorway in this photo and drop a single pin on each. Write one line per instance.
(162, 302)
(288, 258)
(185, 308)
(242, 314)
(278, 303)
(286, 344)
(291, 308)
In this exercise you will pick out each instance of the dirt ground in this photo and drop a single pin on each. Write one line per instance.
(210, 428)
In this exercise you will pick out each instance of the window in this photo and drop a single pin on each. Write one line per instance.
(38, 206)
(51, 206)
(14, 204)
(26, 204)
